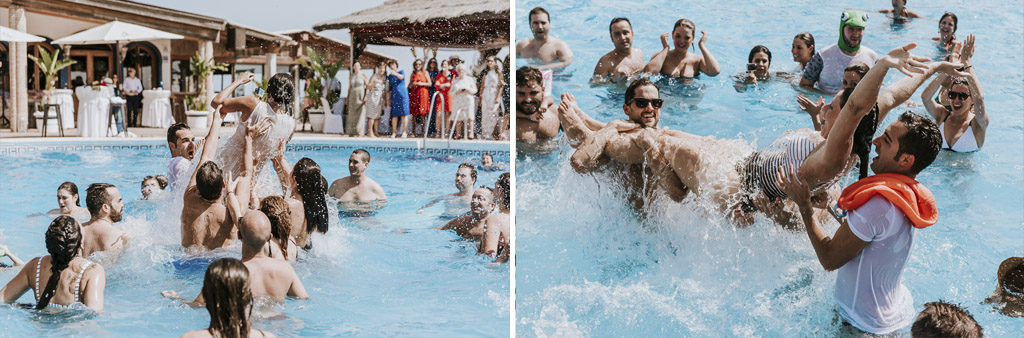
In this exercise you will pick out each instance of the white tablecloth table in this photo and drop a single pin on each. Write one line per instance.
(156, 108)
(93, 111)
(63, 98)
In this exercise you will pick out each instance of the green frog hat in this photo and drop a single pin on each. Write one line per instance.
(855, 18)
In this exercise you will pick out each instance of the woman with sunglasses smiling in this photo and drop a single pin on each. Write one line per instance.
(963, 121)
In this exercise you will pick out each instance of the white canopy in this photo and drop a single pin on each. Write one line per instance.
(14, 35)
(115, 31)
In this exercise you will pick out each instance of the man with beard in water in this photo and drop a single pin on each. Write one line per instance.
(105, 207)
(535, 115)
(472, 226)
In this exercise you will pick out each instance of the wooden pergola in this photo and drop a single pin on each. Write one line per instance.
(472, 24)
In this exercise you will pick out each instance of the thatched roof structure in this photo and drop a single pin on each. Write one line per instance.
(335, 49)
(476, 24)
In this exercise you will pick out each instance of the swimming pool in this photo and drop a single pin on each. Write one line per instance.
(601, 270)
(363, 278)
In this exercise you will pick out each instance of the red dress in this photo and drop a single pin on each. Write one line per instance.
(419, 96)
(441, 79)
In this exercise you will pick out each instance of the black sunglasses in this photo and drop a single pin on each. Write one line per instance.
(963, 96)
(640, 103)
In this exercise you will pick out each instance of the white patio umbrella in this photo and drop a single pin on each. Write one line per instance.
(113, 32)
(14, 35)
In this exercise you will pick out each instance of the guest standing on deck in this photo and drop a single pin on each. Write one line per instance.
(133, 94)
(622, 61)
(356, 124)
(419, 96)
(64, 279)
(399, 99)
(680, 62)
(872, 245)
(443, 104)
(463, 105)
(825, 70)
(492, 83)
(375, 98)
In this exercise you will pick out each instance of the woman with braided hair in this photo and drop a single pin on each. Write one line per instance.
(229, 301)
(69, 281)
(279, 212)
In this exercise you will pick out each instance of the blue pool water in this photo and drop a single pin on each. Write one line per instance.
(363, 278)
(600, 270)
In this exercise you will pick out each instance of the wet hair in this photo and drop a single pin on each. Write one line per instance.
(857, 67)
(172, 132)
(147, 178)
(943, 319)
(363, 152)
(281, 89)
(280, 215)
(472, 170)
(956, 23)
(209, 181)
(96, 196)
(922, 140)
(863, 135)
(960, 81)
(1013, 280)
(526, 74)
(432, 65)
(228, 297)
(72, 188)
(617, 20)
(63, 238)
(685, 23)
(759, 49)
(808, 40)
(537, 10)
(487, 154)
(311, 185)
(504, 183)
(162, 181)
(631, 90)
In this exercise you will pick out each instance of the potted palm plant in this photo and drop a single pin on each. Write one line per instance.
(323, 73)
(197, 111)
(50, 66)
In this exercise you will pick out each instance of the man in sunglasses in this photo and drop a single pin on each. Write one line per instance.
(535, 113)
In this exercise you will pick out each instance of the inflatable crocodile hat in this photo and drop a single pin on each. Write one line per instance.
(854, 18)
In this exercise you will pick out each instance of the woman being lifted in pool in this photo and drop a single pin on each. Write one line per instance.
(679, 62)
(264, 147)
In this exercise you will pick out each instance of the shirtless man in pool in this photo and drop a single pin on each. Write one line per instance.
(542, 46)
(622, 61)
(358, 187)
(536, 117)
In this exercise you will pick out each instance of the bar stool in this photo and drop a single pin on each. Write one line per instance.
(115, 109)
(46, 117)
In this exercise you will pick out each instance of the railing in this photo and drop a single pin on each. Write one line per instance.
(430, 117)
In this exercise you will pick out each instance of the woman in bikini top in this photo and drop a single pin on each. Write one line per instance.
(679, 62)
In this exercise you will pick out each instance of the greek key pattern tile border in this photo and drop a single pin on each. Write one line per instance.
(8, 150)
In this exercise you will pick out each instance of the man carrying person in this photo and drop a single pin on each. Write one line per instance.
(183, 146)
(872, 245)
(825, 70)
(622, 61)
(357, 187)
(205, 220)
(456, 203)
(106, 208)
(535, 113)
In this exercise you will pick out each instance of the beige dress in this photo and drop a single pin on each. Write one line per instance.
(356, 107)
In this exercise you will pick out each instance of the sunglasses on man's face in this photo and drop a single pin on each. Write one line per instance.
(641, 103)
(963, 96)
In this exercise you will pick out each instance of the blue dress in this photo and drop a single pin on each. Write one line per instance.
(399, 95)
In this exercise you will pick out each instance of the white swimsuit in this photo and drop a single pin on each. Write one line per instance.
(78, 291)
(966, 143)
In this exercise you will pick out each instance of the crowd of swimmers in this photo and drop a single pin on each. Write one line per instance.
(221, 204)
(793, 181)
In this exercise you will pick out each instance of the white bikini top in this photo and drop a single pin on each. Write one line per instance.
(966, 143)
(78, 290)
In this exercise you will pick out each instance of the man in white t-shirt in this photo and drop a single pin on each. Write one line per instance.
(183, 147)
(872, 245)
(825, 70)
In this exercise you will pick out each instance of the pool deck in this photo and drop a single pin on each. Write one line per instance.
(154, 134)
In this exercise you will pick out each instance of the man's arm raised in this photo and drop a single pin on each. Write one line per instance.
(209, 145)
